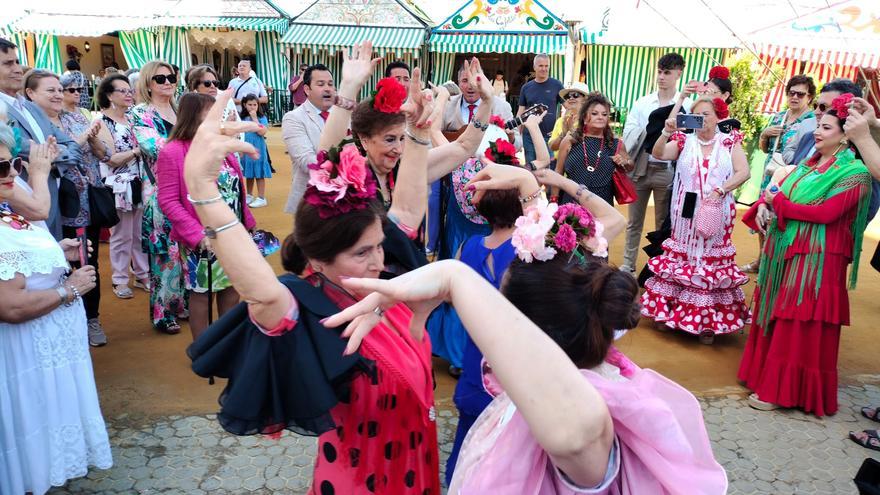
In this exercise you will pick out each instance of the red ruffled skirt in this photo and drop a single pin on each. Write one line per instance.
(694, 297)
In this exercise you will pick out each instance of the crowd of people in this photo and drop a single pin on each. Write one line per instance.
(415, 213)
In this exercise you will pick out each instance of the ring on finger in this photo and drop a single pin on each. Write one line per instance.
(379, 311)
(222, 127)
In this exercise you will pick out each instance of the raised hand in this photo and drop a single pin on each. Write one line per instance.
(40, 158)
(856, 127)
(476, 77)
(419, 105)
(861, 106)
(213, 141)
(498, 177)
(358, 64)
(534, 120)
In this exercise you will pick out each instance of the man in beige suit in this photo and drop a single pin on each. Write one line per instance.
(460, 109)
(301, 129)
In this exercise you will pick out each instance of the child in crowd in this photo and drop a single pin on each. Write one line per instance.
(256, 169)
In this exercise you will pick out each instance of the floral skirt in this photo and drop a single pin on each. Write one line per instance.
(195, 272)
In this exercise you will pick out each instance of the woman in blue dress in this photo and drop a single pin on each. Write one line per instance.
(256, 169)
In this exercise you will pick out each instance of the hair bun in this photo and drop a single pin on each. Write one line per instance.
(614, 293)
(719, 72)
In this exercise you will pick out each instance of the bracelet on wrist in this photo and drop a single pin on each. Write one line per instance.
(665, 133)
(530, 197)
(581, 190)
(211, 233)
(202, 202)
(62, 294)
(479, 125)
(345, 103)
(412, 137)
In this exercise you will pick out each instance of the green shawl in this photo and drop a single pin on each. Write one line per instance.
(845, 175)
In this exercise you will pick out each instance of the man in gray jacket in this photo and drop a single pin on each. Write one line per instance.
(34, 126)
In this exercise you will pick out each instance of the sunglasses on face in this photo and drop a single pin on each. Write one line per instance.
(573, 95)
(820, 107)
(162, 78)
(73, 90)
(799, 94)
(7, 165)
(208, 84)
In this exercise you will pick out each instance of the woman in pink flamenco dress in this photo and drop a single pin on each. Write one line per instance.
(581, 418)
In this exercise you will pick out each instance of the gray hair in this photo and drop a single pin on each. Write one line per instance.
(67, 80)
(7, 137)
(133, 78)
(540, 56)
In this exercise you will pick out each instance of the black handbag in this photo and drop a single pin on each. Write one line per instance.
(102, 207)
(68, 198)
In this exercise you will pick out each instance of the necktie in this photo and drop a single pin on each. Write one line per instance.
(324, 115)
(471, 109)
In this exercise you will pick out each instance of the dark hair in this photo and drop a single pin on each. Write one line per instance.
(594, 98)
(802, 79)
(500, 207)
(175, 69)
(72, 65)
(6, 45)
(366, 121)
(244, 113)
(842, 86)
(195, 74)
(588, 302)
(725, 86)
(499, 72)
(671, 61)
(323, 239)
(307, 75)
(397, 64)
(34, 76)
(106, 87)
(190, 110)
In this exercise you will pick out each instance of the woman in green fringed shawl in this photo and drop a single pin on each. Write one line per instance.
(814, 219)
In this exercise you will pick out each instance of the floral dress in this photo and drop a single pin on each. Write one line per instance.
(119, 177)
(197, 262)
(777, 144)
(86, 173)
(167, 294)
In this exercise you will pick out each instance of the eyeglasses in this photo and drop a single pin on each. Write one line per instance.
(73, 90)
(125, 91)
(162, 78)
(799, 94)
(210, 83)
(820, 107)
(572, 95)
(7, 165)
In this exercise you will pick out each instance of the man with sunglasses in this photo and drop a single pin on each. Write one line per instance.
(247, 83)
(36, 127)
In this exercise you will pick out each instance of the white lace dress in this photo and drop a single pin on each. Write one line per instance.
(51, 428)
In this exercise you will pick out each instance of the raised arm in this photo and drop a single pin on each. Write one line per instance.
(613, 221)
(441, 97)
(35, 205)
(859, 124)
(664, 149)
(443, 159)
(564, 412)
(357, 67)
(410, 196)
(252, 277)
(542, 154)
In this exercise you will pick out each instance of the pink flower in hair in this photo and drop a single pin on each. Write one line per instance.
(841, 105)
(565, 238)
(597, 243)
(352, 167)
(529, 238)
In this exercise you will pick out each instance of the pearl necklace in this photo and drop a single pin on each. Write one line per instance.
(709, 142)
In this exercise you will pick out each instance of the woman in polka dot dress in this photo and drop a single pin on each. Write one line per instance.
(696, 283)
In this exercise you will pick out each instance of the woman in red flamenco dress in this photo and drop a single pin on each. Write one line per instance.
(801, 300)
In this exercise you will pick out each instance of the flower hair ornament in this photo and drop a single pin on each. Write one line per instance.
(546, 229)
(502, 151)
(339, 182)
(497, 121)
(389, 95)
(719, 72)
(841, 105)
(721, 109)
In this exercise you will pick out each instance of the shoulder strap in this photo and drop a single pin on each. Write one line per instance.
(237, 91)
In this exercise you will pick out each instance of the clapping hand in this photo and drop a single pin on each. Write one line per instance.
(41, 157)
(477, 78)
(94, 129)
(419, 105)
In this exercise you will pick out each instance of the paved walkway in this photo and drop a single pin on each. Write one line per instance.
(781, 452)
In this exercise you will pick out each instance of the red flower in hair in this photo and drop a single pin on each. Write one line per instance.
(719, 72)
(840, 105)
(721, 109)
(502, 151)
(390, 95)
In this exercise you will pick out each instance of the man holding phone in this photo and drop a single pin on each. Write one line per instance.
(297, 88)
(651, 176)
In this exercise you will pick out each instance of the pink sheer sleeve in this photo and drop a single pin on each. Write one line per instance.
(285, 325)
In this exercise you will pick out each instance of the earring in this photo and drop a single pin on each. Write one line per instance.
(844, 142)
(317, 268)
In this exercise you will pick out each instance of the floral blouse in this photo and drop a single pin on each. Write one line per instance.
(123, 140)
(75, 124)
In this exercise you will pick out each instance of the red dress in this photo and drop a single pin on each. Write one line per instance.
(795, 365)
(386, 438)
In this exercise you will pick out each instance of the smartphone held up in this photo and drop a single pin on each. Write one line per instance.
(689, 121)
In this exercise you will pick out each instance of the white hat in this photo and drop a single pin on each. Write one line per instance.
(578, 87)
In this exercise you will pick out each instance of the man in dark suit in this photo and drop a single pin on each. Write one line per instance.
(34, 126)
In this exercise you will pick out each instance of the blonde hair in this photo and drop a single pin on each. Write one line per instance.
(705, 99)
(146, 76)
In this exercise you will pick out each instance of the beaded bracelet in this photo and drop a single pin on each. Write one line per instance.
(530, 197)
(479, 125)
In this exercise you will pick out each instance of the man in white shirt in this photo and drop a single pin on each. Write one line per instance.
(34, 126)
(301, 129)
(247, 83)
(650, 175)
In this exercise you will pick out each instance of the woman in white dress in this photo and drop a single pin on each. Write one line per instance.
(51, 428)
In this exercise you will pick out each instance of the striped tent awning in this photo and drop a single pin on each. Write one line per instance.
(837, 58)
(499, 43)
(318, 37)
(48, 54)
(79, 25)
(278, 25)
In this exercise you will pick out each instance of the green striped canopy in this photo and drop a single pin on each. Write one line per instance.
(20, 40)
(444, 68)
(48, 54)
(175, 49)
(271, 64)
(625, 73)
(278, 25)
(499, 43)
(316, 37)
(138, 47)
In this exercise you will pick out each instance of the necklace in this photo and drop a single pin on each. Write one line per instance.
(14, 220)
(591, 167)
(709, 142)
